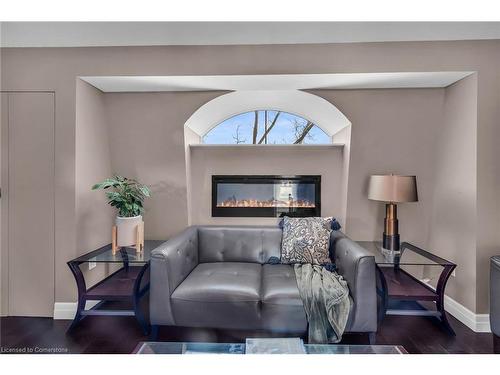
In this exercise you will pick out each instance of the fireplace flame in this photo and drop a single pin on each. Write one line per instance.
(300, 203)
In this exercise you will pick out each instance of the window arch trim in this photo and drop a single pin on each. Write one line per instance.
(306, 105)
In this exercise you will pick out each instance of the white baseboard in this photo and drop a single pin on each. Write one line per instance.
(476, 322)
(67, 310)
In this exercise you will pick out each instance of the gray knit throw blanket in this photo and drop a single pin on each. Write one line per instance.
(325, 296)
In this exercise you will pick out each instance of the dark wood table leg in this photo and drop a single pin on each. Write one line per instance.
(383, 292)
(138, 294)
(441, 285)
(123, 253)
(153, 334)
(82, 288)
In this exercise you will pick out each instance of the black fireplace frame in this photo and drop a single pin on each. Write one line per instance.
(266, 211)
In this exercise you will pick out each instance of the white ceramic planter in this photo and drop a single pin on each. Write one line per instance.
(126, 228)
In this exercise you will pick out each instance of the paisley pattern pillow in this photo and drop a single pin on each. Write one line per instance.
(306, 240)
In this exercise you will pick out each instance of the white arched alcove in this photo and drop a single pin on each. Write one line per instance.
(321, 112)
(300, 159)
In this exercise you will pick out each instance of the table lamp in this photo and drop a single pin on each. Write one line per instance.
(392, 189)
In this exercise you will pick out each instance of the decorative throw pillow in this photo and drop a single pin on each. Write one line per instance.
(335, 224)
(306, 240)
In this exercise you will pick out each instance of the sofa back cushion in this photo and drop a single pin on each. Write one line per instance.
(254, 244)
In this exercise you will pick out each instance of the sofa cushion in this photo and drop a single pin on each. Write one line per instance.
(238, 244)
(282, 309)
(306, 240)
(219, 295)
(221, 282)
(279, 285)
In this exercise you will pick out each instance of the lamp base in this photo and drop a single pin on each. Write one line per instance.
(390, 242)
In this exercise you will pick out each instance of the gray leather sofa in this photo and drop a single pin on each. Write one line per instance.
(218, 277)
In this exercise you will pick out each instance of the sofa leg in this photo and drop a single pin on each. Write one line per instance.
(372, 337)
(153, 335)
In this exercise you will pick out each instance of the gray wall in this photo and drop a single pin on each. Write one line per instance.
(4, 269)
(147, 142)
(93, 164)
(94, 218)
(344, 137)
(392, 131)
(57, 68)
(401, 123)
(263, 160)
(452, 226)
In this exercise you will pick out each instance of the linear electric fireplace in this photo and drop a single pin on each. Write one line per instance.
(266, 196)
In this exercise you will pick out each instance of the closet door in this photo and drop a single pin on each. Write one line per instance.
(4, 260)
(31, 203)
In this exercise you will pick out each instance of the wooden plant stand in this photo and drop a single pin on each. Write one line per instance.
(139, 238)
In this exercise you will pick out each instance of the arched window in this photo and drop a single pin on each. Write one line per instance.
(266, 127)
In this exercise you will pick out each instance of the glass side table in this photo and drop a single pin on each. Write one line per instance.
(234, 348)
(129, 283)
(412, 274)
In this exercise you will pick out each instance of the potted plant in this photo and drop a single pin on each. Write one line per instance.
(127, 196)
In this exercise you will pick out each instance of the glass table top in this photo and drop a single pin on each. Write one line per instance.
(105, 254)
(408, 255)
(234, 348)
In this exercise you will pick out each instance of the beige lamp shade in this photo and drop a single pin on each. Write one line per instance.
(393, 188)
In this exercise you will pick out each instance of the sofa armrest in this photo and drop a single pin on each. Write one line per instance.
(171, 263)
(357, 267)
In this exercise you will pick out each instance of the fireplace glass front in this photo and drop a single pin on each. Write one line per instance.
(266, 196)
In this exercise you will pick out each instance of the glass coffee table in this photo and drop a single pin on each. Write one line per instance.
(232, 348)
(411, 274)
(129, 283)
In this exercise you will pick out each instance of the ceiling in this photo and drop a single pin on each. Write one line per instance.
(79, 34)
(275, 81)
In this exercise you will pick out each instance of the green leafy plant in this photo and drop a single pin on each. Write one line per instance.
(127, 196)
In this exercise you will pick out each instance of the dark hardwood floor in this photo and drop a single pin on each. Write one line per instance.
(101, 334)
